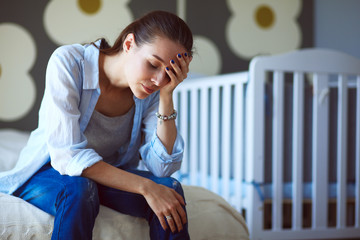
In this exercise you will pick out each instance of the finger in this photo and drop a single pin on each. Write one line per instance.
(182, 215)
(162, 222)
(179, 198)
(171, 74)
(188, 58)
(180, 209)
(178, 220)
(183, 63)
(178, 72)
(175, 81)
(171, 223)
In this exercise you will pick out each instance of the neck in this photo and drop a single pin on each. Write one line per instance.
(110, 76)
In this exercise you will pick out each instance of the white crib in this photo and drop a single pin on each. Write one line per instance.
(277, 155)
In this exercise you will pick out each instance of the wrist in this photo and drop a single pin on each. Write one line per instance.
(166, 105)
(166, 96)
(146, 187)
(167, 117)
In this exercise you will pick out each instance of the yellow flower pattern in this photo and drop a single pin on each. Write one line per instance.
(207, 59)
(17, 88)
(85, 20)
(227, 34)
(263, 27)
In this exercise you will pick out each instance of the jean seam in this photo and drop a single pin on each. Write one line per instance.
(64, 207)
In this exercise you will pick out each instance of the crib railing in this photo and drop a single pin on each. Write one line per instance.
(240, 139)
(318, 67)
(211, 121)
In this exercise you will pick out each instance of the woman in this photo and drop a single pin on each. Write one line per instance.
(103, 106)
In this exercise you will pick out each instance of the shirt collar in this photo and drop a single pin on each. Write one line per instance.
(91, 66)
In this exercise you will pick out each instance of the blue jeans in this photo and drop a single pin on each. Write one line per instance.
(75, 201)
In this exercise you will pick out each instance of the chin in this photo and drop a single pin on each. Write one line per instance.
(141, 95)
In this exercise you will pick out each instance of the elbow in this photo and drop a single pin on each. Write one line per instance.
(165, 169)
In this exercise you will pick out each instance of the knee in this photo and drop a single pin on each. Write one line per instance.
(174, 184)
(86, 190)
(83, 192)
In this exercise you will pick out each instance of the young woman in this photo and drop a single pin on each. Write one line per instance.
(104, 108)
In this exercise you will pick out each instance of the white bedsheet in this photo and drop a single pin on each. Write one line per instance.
(210, 216)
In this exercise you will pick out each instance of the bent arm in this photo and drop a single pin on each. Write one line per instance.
(162, 200)
(113, 177)
(60, 114)
(166, 130)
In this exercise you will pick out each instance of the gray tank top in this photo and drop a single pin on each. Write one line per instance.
(106, 135)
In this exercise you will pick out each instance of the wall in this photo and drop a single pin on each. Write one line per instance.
(227, 35)
(337, 25)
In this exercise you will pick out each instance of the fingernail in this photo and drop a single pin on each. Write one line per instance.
(167, 69)
(185, 54)
(172, 61)
(179, 55)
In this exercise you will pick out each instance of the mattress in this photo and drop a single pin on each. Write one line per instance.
(265, 190)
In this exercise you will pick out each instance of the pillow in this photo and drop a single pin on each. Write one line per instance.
(211, 217)
(11, 143)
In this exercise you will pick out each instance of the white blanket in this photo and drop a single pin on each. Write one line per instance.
(210, 216)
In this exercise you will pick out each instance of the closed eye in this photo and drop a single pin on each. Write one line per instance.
(152, 65)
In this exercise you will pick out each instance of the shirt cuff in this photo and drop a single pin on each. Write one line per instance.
(160, 150)
(84, 159)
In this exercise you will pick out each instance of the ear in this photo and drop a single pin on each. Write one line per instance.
(129, 42)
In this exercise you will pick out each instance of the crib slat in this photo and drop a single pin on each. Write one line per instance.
(215, 139)
(176, 105)
(204, 136)
(319, 151)
(341, 151)
(278, 133)
(298, 138)
(357, 142)
(184, 131)
(238, 143)
(194, 122)
(226, 145)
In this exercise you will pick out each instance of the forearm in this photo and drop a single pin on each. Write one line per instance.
(166, 130)
(113, 177)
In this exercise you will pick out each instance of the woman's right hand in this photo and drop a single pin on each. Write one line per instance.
(165, 201)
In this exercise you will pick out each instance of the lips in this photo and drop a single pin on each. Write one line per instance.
(148, 90)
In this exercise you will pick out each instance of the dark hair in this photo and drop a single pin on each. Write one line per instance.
(150, 26)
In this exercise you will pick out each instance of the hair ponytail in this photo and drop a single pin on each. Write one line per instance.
(147, 28)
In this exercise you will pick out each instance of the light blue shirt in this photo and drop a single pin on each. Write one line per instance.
(71, 93)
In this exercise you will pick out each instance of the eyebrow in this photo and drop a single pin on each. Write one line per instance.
(158, 58)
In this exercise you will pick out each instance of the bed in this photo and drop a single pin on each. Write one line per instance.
(209, 215)
(281, 143)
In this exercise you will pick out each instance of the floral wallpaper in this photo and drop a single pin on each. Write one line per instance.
(270, 28)
(227, 35)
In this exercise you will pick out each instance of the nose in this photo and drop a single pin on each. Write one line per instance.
(159, 78)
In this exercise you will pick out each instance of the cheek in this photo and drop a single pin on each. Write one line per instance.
(144, 72)
(134, 73)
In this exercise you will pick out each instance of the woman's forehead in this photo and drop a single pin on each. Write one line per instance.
(164, 49)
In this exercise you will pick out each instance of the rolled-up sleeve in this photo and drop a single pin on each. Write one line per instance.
(66, 143)
(154, 153)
